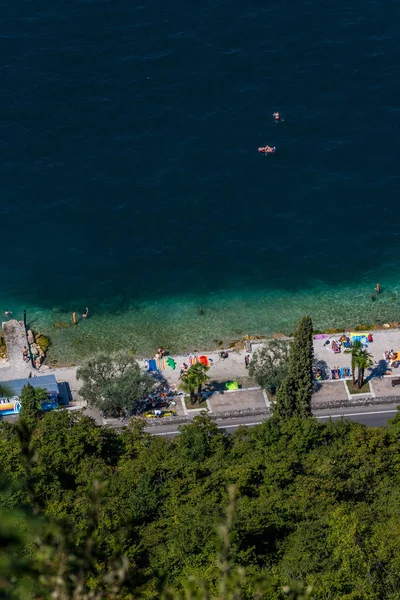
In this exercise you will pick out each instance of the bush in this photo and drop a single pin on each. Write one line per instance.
(42, 341)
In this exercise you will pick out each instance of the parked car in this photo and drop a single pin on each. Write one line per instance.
(154, 414)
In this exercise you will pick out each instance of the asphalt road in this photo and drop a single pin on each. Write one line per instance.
(372, 416)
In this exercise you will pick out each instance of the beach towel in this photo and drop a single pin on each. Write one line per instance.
(161, 364)
(193, 360)
(361, 337)
(152, 365)
(171, 362)
(342, 372)
(204, 361)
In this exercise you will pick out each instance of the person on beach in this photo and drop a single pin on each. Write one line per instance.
(247, 360)
(25, 354)
(378, 288)
(184, 368)
(160, 353)
(277, 117)
(85, 314)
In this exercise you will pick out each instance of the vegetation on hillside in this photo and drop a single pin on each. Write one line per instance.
(89, 513)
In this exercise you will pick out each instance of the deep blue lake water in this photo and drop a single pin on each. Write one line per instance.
(131, 182)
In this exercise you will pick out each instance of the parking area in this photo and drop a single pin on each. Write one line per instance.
(383, 387)
(237, 400)
(331, 390)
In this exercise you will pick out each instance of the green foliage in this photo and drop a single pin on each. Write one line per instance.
(355, 350)
(193, 379)
(295, 393)
(114, 384)
(292, 508)
(31, 399)
(269, 366)
(362, 361)
(43, 341)
(3, 347)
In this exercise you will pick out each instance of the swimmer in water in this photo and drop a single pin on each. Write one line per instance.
(267, 150)
(277, 117)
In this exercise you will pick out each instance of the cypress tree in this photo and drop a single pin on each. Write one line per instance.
(30, 405)
(294, 395)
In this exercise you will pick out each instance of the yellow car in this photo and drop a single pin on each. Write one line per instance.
(153, 414)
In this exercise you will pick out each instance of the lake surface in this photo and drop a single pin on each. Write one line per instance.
(131, 182)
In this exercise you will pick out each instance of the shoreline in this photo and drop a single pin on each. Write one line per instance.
(185, 325)
(235, 345)
(233, 368)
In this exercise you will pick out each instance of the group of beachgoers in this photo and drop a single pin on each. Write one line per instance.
(336, 374)
(392, 356)
(346, 342)
(271, 149)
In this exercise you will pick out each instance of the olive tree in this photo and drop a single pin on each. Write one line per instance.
(269, 366)
(114, 384)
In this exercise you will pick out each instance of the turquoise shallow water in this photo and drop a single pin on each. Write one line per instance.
(131, 183)
(176, 323)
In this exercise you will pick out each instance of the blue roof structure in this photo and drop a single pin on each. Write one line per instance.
(10, 392)
(48, 382)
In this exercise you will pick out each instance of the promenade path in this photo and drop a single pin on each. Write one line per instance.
(15, 336)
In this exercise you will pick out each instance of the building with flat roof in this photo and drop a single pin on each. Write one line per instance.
(10, 392)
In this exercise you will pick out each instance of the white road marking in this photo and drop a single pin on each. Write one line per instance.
(376, 412)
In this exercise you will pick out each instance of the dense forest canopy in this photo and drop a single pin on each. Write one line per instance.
(133, 515)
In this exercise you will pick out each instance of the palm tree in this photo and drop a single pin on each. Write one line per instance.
(193, 379)
(354, 351)
(199, 373)
(363, 360)
(188, 384)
